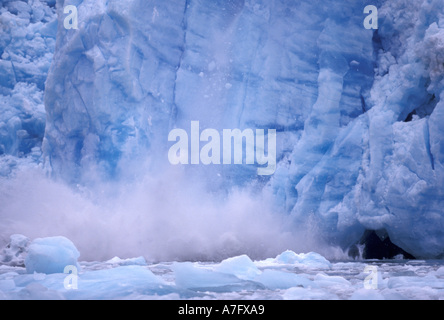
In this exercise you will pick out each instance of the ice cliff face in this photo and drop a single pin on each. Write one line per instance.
(357, 111)
(134, 71)
(383, 170)
(27, 41)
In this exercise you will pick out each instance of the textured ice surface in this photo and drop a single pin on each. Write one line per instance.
(242, 267)
(15, 251)
(234, 278)
(312, 259)
(27, 42)
(51, 255)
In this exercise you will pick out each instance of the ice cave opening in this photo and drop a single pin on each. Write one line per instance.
(376, 244)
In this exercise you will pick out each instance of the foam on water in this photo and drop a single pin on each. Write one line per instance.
(161, 219)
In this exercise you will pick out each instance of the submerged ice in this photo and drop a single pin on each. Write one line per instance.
(357, 114)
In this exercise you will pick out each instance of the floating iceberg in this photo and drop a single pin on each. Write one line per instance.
(242, 267)
(312, 259)
(198, 278)
(51, 255)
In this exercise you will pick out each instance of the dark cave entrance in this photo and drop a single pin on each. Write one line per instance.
(376, 244)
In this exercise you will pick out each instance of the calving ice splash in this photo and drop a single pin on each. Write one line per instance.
(188, 150)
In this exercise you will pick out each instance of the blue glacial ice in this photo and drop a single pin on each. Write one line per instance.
(27, 43)
(235, 278)
(51, 255)
(357, 111)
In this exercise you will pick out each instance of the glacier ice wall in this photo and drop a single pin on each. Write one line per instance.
(357, 111)
(27, 42)
(133, 71)
(384, 169)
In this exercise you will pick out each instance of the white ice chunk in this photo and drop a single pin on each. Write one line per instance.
(242, 267)
(15, 252)
(326, 281)
(51, 255)
(440, 272)
(309, 260)
(118, 283)
(190, 276)
(140, 261)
